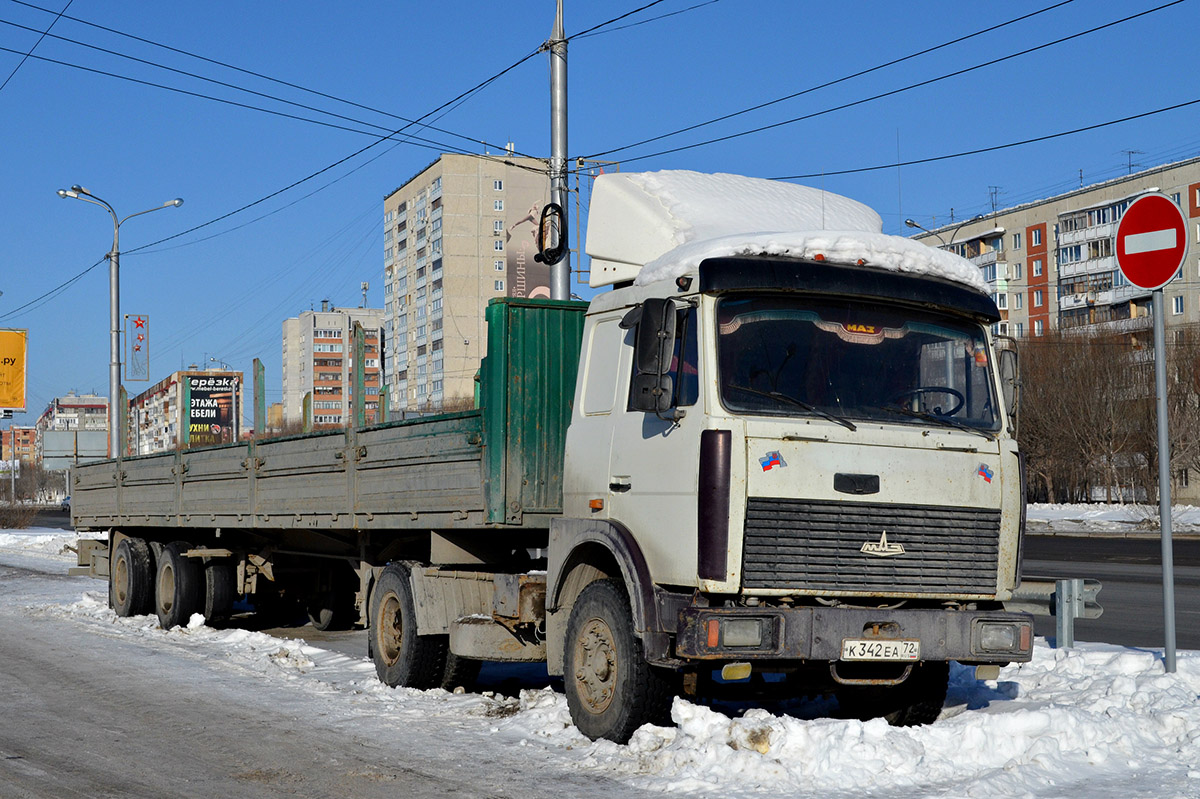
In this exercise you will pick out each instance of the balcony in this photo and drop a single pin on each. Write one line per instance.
(1092, 233)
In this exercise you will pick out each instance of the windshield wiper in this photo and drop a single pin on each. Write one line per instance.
(798, 403)
(933, 417)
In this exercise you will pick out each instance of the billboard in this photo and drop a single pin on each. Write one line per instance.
(211, 409)
(64, 448)
(526, 193)
(12, 368)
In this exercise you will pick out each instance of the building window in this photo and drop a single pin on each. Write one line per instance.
(1175, 198)
(497, 226)
(498, 245)
(1177, 305)
(1038, 327)
(1020, 329)
(499, 285)
(499, 265)
(498, 205)
(1037, 267)
(1017, 269)
(498, 185)
(1001, 301)
(1016, 241)
(1035, 237)
(1018, 301)
(1037, 298)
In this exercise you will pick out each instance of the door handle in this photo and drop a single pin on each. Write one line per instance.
(619, 486)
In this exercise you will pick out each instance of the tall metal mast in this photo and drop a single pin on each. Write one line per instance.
(560, 273)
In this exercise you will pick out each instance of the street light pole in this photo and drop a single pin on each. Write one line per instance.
(114, 305)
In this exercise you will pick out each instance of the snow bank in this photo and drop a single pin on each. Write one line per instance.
(1100, 720)
(1110, 518)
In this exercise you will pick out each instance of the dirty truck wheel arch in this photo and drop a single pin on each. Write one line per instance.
(600, 545)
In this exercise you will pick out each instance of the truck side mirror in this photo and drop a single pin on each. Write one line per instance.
(1009, 382)
(653, 387)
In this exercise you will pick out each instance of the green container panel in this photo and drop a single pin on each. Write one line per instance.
(527, 385)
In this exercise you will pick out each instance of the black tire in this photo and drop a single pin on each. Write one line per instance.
(220, 590)
(611, 689)
(460, 672)
(179, 588)
(333, 609)
(403, 658)
(131, 578)
(914, 702)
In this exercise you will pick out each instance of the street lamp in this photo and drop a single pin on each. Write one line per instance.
(961, 225)
(114, 304)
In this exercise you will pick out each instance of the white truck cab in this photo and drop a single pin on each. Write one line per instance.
(791, 448)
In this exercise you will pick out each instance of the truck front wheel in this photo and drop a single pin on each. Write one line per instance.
(401, 656)
(611, 689)
(131, 578)
(179, 589)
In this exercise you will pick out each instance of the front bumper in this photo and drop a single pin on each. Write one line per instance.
(816, 634)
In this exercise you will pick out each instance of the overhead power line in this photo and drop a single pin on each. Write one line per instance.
(243, 71)
(44, 34)
(993, 148)
(643, 22)
(605, 24)
(907, 88)
(833, 82)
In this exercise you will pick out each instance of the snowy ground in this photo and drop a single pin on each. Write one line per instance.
(1110, 519)
(1101, 720)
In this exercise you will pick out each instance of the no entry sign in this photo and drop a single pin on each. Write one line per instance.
(1151, 241)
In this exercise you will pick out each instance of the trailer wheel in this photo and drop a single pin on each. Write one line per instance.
(179, 588)
(460, 672)
(131, 578)
(403, 658)
(914, 702)
(611, 689)
(220, 589)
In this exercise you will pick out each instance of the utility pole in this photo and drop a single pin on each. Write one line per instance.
(560, 273)
(1129, 154)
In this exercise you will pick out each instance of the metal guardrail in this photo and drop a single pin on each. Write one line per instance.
(1065, 600)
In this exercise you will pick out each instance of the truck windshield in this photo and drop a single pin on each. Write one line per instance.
(792, 356)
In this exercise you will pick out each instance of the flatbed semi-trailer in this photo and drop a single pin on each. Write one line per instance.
(783, 443)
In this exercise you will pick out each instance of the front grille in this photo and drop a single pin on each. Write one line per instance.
(816, 545)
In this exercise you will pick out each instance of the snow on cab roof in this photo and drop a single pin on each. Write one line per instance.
(650, 226)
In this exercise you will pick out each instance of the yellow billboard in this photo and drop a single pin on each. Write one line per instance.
(12, 369)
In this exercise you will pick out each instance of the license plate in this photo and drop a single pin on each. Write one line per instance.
(875, 649)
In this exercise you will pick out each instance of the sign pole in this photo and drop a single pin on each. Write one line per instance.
(1164, 482)
(1151, 245)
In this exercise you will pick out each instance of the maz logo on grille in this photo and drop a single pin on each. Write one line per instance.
(882, 547)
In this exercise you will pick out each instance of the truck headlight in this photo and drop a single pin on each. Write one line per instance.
(996, 636)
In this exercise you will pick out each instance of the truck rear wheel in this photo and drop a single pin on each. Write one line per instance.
(611, 689)
(131, 578)
(179, 588)
(916, 701)
(403, 658)
(220, 589)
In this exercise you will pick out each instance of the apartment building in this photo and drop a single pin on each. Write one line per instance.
(190, 408)
(19, 443)
(318, 360)
(457, 234)
(1050, 264)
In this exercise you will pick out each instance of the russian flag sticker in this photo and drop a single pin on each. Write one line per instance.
(771, 460)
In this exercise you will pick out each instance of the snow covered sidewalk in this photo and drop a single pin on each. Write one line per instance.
(1119, 520)
(1100, 720)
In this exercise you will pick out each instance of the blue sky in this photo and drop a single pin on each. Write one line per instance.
(223, 291)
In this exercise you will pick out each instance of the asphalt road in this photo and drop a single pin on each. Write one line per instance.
(1130, 570)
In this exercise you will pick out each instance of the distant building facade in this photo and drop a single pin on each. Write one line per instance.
(318, 359)
(19, 443)
(190, 408)
(457, 234)
(1050, 264)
